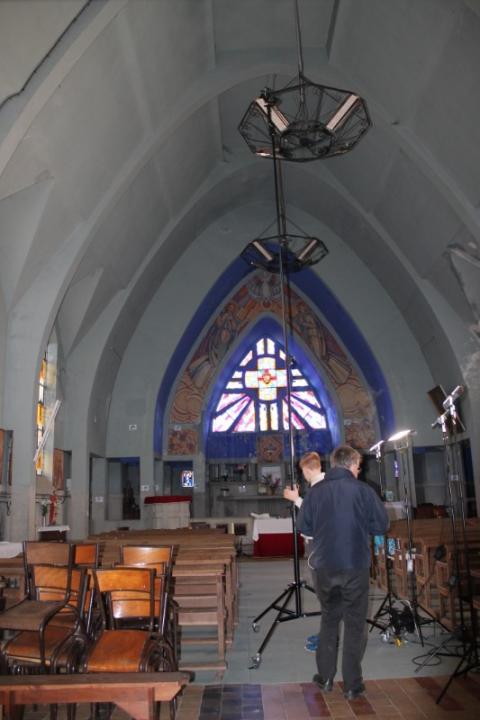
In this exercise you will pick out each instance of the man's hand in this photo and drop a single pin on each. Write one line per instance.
(291, 493)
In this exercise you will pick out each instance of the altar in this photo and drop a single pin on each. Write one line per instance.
(273, 537)
(167, 512)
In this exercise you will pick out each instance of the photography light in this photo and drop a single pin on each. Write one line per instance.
(400, 435)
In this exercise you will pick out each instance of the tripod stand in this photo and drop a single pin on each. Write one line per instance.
(280, 603)
(468, 636)
(408, 618)
(396, 619)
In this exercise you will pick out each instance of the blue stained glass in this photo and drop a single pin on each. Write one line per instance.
(312, 417)
(228, 399)
(247, 421)
(263, 417)
(246, 359)
(228, 416)
(307, 396)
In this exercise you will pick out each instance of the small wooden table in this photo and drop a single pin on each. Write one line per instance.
(135, 693)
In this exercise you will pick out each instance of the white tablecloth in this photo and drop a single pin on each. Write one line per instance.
(271, 526)
(10, 549)
(53, 528)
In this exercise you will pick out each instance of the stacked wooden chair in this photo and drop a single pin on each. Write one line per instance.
(47, 627)
(131, 641)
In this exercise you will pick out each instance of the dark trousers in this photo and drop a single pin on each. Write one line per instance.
(343, 595)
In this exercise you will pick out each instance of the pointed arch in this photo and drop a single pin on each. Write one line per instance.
(360, 406)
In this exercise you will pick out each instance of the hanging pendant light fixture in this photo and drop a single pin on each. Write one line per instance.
(310, 121)
(298, 252)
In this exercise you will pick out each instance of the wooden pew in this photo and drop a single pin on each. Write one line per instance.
(432, 537)
(135, 693)
(199, 595)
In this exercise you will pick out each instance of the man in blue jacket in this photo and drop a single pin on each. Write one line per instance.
(341, 513)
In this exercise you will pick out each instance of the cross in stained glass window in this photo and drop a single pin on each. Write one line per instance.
(255, 396)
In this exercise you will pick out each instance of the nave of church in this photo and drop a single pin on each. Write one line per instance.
(233, 232)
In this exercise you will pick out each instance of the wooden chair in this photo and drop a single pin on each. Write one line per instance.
(86, 555)
(44, 553)
(50, 629)
(160, 558)
(128, 597)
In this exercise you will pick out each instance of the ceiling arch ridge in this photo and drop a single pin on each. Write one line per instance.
(88, 230)
(366, 218)
(392, 268)
(20, 217)
(74, 307)
(443, 181)
(15, 122)
(405, 139)
(222, 187)
(141, 155)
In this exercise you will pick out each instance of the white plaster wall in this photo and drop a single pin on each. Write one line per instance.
(3, 342)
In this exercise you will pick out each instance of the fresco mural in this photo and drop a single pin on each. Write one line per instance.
(182, 442)
(261, 294)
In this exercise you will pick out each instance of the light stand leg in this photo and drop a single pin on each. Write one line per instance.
(469, 659)
(281, 602)
(392, 614)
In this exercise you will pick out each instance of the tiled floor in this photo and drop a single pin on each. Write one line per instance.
(403, 699)
(281, 688)
(284, 658)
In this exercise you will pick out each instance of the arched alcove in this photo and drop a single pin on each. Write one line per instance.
(331, 348)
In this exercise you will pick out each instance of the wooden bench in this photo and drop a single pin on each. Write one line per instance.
(135, 693)
(199, 595)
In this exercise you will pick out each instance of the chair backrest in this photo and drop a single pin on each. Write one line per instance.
(51, 582)
(162, 587)
(44, 553)
(161, 568)
(128, 594)
(49, 553)
(160, 557)
(85, 555)
(64, 584)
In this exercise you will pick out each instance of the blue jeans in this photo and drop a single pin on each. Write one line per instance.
(343, 595)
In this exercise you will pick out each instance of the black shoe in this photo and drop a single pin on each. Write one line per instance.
(325, 685)
(356, 692)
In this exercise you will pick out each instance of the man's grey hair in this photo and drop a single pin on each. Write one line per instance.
(344, 456)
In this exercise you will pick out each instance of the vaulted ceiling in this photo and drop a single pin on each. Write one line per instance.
(119, 146)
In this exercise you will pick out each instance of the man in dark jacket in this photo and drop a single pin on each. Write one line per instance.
(341, 513)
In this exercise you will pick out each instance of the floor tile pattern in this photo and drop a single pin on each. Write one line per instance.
(392, 699)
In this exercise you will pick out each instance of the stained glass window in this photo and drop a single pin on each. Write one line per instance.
(254, 396)
(42, 380)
